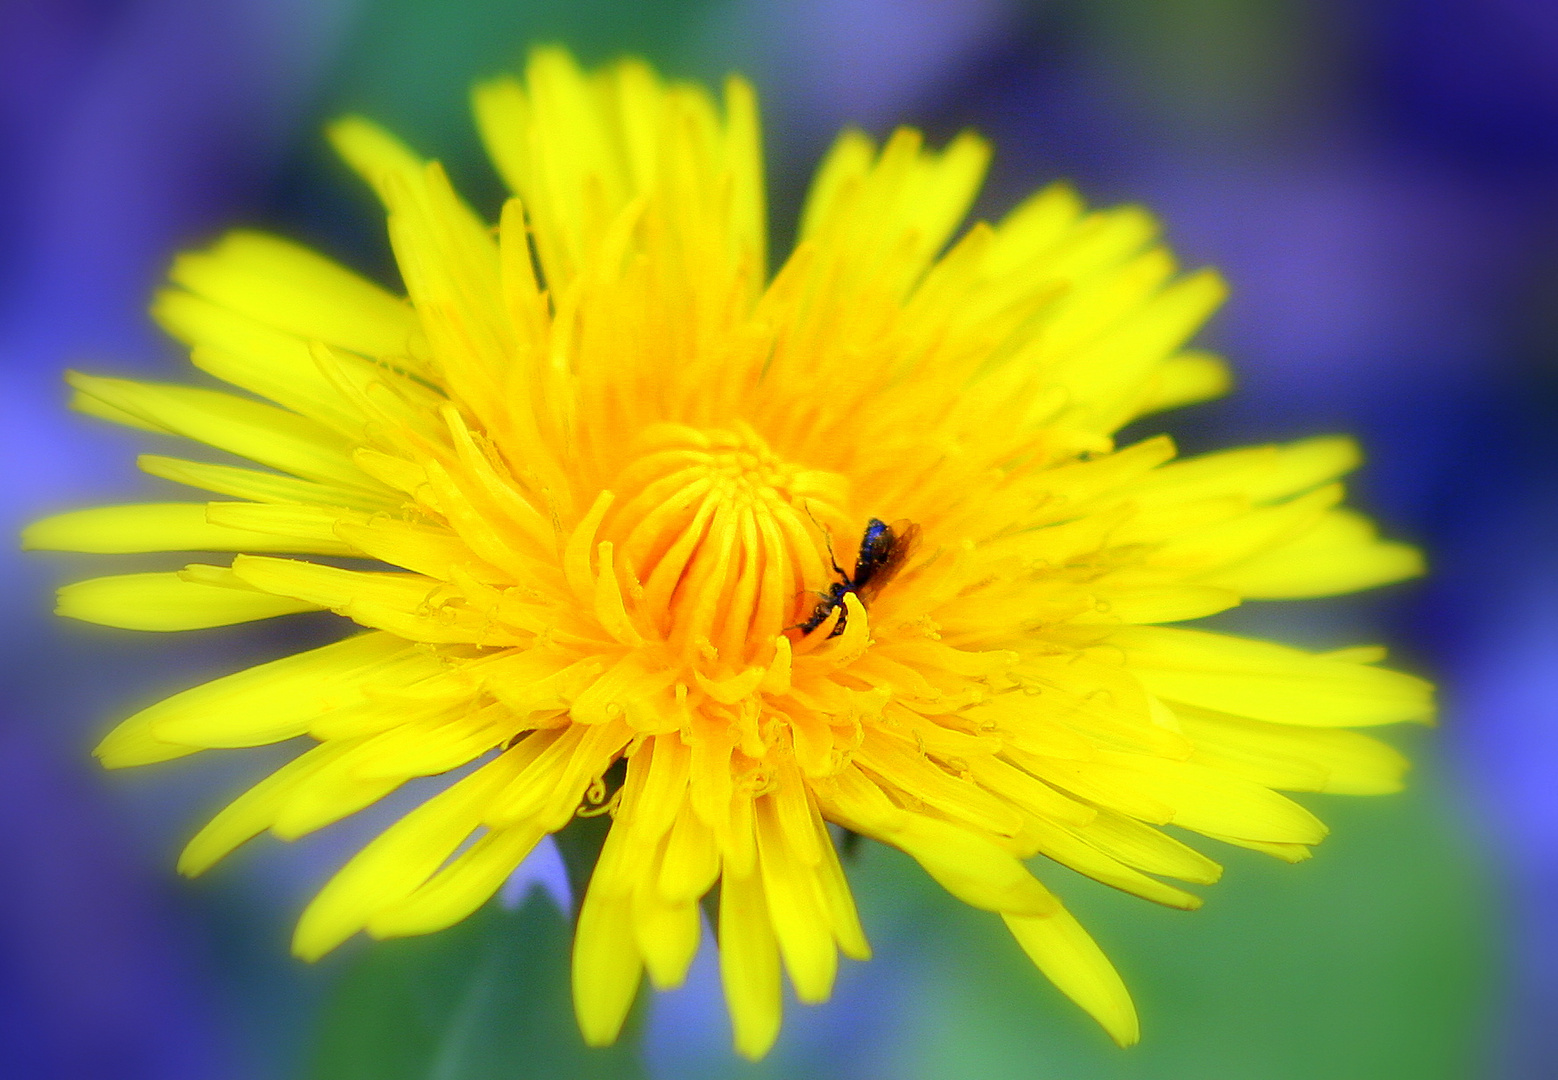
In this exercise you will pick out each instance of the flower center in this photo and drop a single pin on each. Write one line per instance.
(723, 537)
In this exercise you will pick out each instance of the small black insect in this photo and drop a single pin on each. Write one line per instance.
(883, 550)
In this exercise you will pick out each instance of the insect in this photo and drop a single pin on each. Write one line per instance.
(883, 550)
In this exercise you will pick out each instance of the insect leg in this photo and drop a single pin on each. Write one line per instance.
(827, 538)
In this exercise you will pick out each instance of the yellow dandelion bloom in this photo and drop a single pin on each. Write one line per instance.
(732, 557)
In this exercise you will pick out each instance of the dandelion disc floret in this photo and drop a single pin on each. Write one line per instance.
(625, 492)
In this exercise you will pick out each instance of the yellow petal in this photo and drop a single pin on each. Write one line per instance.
(260, 432)
(1269, 682)
(160, 527)
(273, 701)
(393, 865)
(749, 965)
(1185, 379)
(1340, 553)
(1061, 949)
(897, 762)
(691, 861)
(292, 288)
(169, 602)
(666, 933)
(459, 888)
(278, 366)
(261, 486)
(1069, 849)
(1208, 800)
(795, 905)
(607, 967)
(1145, 848)
(1280, 756)
(253, 812)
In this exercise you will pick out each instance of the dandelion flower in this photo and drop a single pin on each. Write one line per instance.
(732, 557)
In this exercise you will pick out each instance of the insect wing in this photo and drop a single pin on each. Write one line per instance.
(904, 539)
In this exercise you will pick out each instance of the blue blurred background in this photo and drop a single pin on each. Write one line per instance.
(1377, 178)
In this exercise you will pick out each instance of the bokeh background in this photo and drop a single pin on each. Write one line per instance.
(1378, 179)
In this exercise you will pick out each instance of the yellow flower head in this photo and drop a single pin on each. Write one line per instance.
(731, 557)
